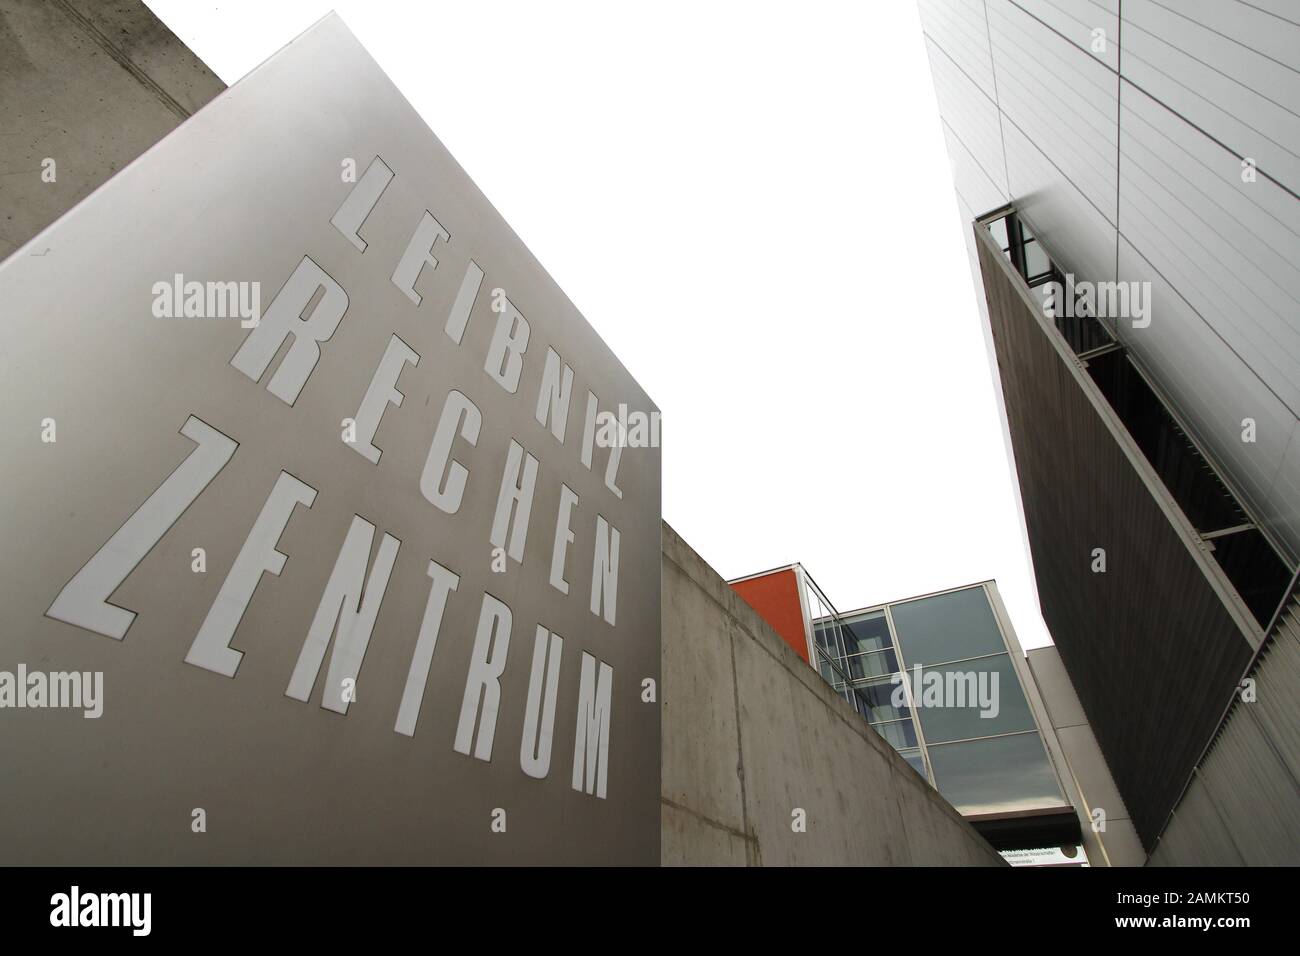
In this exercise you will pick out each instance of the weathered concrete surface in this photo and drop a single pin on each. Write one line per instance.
(1078, 754)
(91, 85)
(751, 733)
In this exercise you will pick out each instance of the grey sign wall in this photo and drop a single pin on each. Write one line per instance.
(355, 515)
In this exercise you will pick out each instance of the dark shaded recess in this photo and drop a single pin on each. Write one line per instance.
(1253, 567)
(1084, 333)
(1150, 645)
(1255, 570)
(1186, 474)
(1029, 831)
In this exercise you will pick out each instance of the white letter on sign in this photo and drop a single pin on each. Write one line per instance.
(211, 648)
(84, 600)
(604, 571)
(517, 494)
(284, 318)
(444, 582)
(458, 414)
(419, 252)
(563, 538)
(381, 393)
(556, 394)
(458, 317)
(509, 342)
(591, 741)
(361, 201)
(350, 603)
(484, 681)
(535, 749)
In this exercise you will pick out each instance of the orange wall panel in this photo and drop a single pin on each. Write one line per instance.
(775, 597)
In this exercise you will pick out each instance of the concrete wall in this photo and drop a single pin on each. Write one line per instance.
(1079, 758)
(751, 732)
(90, 85)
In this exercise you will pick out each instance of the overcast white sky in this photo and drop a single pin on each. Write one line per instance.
(751, 203)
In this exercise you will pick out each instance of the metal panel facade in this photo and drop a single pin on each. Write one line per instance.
(1241, 805)
(367, 582)
(1123, 129)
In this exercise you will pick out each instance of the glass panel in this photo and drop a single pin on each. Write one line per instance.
(997, 775)
(824, 637)
(839, 641)
(998, 229)
(947, 627)
(866, 632)
(826, 631)
(861, 705)
(953, 701)
(913, 757)
(900, 733)
(878, 697)
(828, 675)
(878, 664)
(1036, 261)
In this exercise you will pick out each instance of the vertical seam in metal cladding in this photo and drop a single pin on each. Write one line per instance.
(993, 68)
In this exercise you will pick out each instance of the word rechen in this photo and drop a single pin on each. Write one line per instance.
(351, 598)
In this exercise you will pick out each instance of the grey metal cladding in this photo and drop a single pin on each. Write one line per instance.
(1225, 16)
(1228, 69)
(1150, 638)
(1123, 186)
(1215, 392)
(1058, 129)
(1060, 98)
(1230, 256)
(1090, 25)
(1070, 226)
(961, 28)
(1242, 804)
(1256, 794)
(1198, 835)
(974, 187)
(969, 113)
(1228, 246)
(1277, 675)
(1282, 507)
